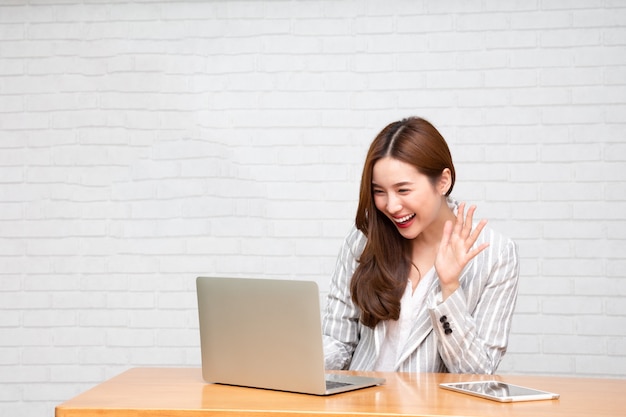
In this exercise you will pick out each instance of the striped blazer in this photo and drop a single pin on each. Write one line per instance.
(478, 316)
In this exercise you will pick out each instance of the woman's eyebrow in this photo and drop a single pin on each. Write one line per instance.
(398, 184)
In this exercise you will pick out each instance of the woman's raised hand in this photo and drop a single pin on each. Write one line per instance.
(456, 249)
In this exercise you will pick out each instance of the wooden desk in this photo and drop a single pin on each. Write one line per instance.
(181, 392)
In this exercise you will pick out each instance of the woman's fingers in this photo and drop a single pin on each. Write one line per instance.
(463, 228)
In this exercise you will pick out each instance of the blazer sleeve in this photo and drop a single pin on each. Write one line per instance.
(340, 325)
(472, 325)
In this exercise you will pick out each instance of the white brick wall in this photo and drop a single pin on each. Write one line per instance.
(145, 143)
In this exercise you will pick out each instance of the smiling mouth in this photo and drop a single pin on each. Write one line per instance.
(404, 219)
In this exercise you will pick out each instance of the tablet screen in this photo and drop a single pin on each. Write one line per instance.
(499, 391)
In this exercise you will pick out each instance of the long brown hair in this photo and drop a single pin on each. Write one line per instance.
(381, 277)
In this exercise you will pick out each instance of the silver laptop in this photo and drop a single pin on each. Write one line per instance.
(266, 333)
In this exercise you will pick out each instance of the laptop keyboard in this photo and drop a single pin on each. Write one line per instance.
(335, 384)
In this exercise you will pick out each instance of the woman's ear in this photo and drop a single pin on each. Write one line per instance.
(445, 181)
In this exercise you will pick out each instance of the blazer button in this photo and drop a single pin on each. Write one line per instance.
(446, 325)
(448, 330)
(443, 319)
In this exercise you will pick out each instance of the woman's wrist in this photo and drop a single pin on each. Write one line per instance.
(448, 290)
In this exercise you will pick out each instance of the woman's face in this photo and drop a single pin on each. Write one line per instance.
(406, 196)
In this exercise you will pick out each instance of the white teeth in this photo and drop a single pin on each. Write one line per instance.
(404, 219)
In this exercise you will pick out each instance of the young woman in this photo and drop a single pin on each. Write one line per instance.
(418, 286)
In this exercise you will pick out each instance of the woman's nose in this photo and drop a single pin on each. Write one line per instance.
(393, 204)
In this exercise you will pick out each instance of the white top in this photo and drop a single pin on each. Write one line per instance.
(398, 331)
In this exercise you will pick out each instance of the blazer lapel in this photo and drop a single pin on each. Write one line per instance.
(423, 325)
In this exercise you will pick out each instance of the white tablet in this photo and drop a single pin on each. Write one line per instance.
(499, 391)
